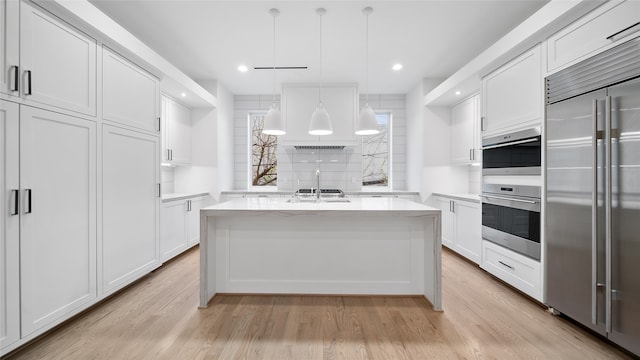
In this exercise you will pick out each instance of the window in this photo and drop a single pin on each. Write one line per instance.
(376, 155)
(263, 160)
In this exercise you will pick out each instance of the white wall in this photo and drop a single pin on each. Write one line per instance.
(210, 130)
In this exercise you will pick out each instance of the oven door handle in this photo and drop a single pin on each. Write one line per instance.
(510, 199)
(510, 143)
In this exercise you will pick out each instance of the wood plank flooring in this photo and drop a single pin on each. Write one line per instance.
(158, 318)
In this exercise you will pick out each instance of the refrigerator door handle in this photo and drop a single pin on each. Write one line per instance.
(608, 230)
(594, 217)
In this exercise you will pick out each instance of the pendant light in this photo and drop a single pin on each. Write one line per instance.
(367, 123)
(273, 124)
(320, 122)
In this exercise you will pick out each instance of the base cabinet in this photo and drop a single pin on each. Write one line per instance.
(9, 225)
(519, 271)
(180, 226)
(461, 227)
(131, 204)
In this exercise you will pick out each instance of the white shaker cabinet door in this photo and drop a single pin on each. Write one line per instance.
(9, 38)
(445, 207)
(58, 62)
(58, 216)
(130, 206)
(130, 95)
(9, 226)
(465, 135)
(173, 229)
(468, 230)
(193, 220)
(177, 120)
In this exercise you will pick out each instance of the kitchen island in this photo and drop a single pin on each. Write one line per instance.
(366, 246)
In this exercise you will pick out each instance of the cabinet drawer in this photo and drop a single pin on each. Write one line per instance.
(593, 33)
(515, 269)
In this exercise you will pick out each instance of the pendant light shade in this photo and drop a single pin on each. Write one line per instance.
(320, 121)
(273, 124)
(367, 123)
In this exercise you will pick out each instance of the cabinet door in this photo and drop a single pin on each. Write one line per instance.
(342, 105)
(513, 94)
(130, 95)
(9, 226)
(58, 216)
(61, 62)
(447, 221)
(173, 229)
(9, 38)
(193, 221)
(131, 202)
(594, 32)
(468, 235)
(464, 131)
(178, 132)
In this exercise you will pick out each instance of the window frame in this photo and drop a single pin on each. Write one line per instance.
(250, 186)
(389, 185)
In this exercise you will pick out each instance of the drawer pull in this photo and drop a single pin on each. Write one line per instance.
(509, 266)
(623, 30)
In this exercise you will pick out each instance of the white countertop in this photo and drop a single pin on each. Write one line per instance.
(464, 197)
(371, 206)
(181, 196)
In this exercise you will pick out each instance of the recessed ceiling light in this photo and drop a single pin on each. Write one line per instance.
(458, 92)
(183, 94)
(397, 67)
(243, 68)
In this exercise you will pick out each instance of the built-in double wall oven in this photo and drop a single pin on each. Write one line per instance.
(511, 213)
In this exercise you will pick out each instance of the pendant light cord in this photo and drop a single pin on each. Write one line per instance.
(320, 92)
(367, 63)
(274, 59)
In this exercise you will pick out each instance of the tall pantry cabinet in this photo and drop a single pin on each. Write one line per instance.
(80, 172)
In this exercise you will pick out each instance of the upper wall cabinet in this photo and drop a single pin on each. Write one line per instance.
(598, 30)
(9, 43)
(299, 101)
(122, 81)
(176, 132)
(66, 80)
(465, 131)
(512, 95)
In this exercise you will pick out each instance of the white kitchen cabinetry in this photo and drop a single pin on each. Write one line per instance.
(58, 216)
(176, 132)
(593, 33)
(465, 131)
(519, 271)
(512, 96)
(122, 82)
(9, 43)
(180, 226)
(131, 202)
(299, 101)
(9, 225)
(461, 227)
(57, 63)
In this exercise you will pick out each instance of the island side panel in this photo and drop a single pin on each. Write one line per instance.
(207, 258)
(433, 261)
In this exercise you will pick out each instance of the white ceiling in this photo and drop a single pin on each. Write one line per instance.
(209, 39)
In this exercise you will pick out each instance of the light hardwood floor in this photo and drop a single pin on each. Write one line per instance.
(157, 318)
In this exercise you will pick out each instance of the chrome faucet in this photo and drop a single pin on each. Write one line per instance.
(318, 184)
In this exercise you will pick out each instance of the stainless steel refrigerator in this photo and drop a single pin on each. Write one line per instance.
(592, 271)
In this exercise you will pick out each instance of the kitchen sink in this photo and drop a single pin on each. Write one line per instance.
(325, 200)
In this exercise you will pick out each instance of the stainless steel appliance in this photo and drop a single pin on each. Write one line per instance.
(511, 217)
(593, 193)
(517, 153)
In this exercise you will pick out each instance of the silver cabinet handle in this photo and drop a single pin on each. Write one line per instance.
(509, 266)
(159, 124)
(16, 78)
(482, 123)
(15, 208)
(159, 189)
(188, 205)
(27, 201)
(510, 199)
(28, 89)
